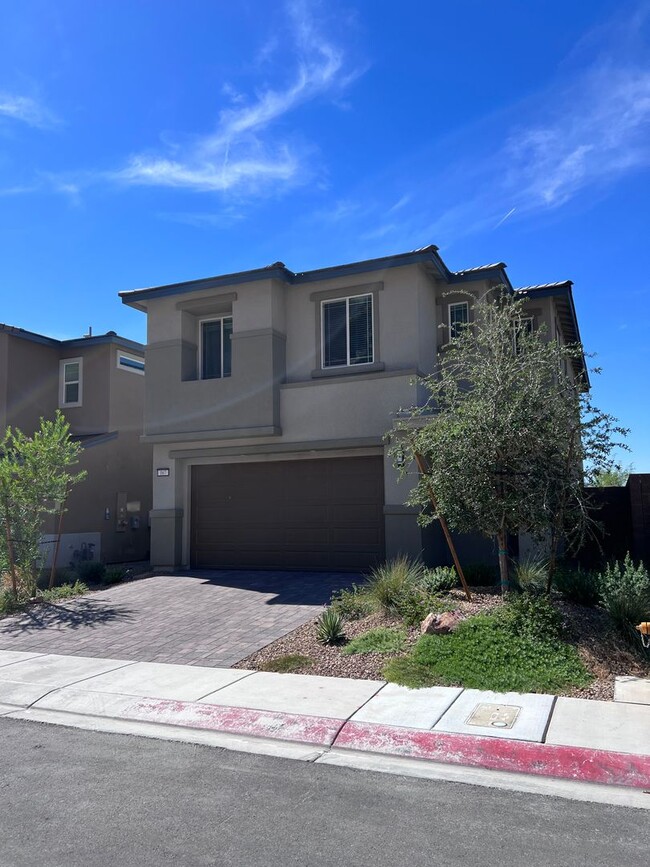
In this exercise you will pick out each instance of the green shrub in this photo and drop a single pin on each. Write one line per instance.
(530, 616)
(414, 605)
(625, 595)
(381, 640)
(483, 654)
(439, 580)
(65, 591)
(7, 602)
(329, 627)
(353, 603)
(90, 570)
(114, 575)
(287, 664)
(531, 575)
(577, 585)
(391, 582)
(481, 574)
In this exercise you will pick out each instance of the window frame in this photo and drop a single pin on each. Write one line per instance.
(347, 299)
(63, 363)
(451, 325)
(139, 359)
(202, 322)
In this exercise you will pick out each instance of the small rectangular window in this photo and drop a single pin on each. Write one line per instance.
(132, 363)
(216, 348)
(458, 318)
(70, 382)
(347, 331)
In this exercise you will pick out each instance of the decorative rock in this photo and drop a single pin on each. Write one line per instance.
(440, 624)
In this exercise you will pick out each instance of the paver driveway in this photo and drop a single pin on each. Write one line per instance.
(200, 618)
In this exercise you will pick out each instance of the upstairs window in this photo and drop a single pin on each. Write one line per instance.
(347, 336)
(132, 363)
(70, 374)
(216, 348)
(458, 318)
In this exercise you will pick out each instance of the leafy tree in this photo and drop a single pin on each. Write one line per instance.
(35, 481)
(506, 433)
(612, 476)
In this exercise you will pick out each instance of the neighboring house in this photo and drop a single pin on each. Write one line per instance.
(98, 383)
(268, 394)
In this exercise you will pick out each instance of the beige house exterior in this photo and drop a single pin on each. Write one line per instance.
(98, 383)
(268, 395)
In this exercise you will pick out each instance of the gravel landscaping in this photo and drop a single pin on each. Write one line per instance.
(603, 652)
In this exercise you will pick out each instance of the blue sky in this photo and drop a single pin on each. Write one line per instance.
(151, 142)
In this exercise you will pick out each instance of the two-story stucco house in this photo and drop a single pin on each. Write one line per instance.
(269, 392)
(98, 383)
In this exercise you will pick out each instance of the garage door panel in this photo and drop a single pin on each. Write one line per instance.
(309, 514)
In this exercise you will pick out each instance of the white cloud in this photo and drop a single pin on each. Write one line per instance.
(599, 131)
(26, 110)
(239, 155)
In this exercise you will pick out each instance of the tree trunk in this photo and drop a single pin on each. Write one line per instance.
(502, 541)
(10, 554)
(56, 548)
(552, 561)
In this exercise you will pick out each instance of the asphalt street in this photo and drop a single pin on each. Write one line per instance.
(71, 797)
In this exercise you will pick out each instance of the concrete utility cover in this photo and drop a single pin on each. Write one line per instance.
(523, 716)
(498, 716)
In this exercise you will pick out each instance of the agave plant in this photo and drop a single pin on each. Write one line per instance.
(329, 628)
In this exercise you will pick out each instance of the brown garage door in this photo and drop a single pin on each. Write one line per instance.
(307, 514)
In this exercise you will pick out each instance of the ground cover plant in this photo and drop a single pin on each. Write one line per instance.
(517, 648)
(380, 640)
(289, 663)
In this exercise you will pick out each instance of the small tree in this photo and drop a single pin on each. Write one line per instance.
(506, 431)
(35, 481)
(612, 476)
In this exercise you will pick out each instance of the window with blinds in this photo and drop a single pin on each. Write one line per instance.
(347, 331)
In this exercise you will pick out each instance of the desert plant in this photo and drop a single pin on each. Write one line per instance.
(65, 591)
(439, 579)
(625, 595)
(531, 575)
(392, 581)
(329, 627)
(114, 575)
(352, 603)
(530, 615)
(414, 605)
(381, 640)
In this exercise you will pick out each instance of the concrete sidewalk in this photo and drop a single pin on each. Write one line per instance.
(333, 719)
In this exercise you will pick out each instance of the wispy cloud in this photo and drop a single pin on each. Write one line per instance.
(239, 155)
(600, 130)
(27, 110)
(587, 130)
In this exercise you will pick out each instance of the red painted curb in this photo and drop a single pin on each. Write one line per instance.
(499, 754)
(235, 720)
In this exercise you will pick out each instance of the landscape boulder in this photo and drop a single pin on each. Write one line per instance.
(440, 624)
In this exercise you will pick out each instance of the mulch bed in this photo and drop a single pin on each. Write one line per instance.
(603, 652)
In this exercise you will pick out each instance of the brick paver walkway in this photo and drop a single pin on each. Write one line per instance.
(206, 618)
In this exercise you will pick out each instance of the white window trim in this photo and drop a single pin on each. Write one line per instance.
(137, 358)
(347, 300)
(464, 304)
(223, 343)
(62, 365)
